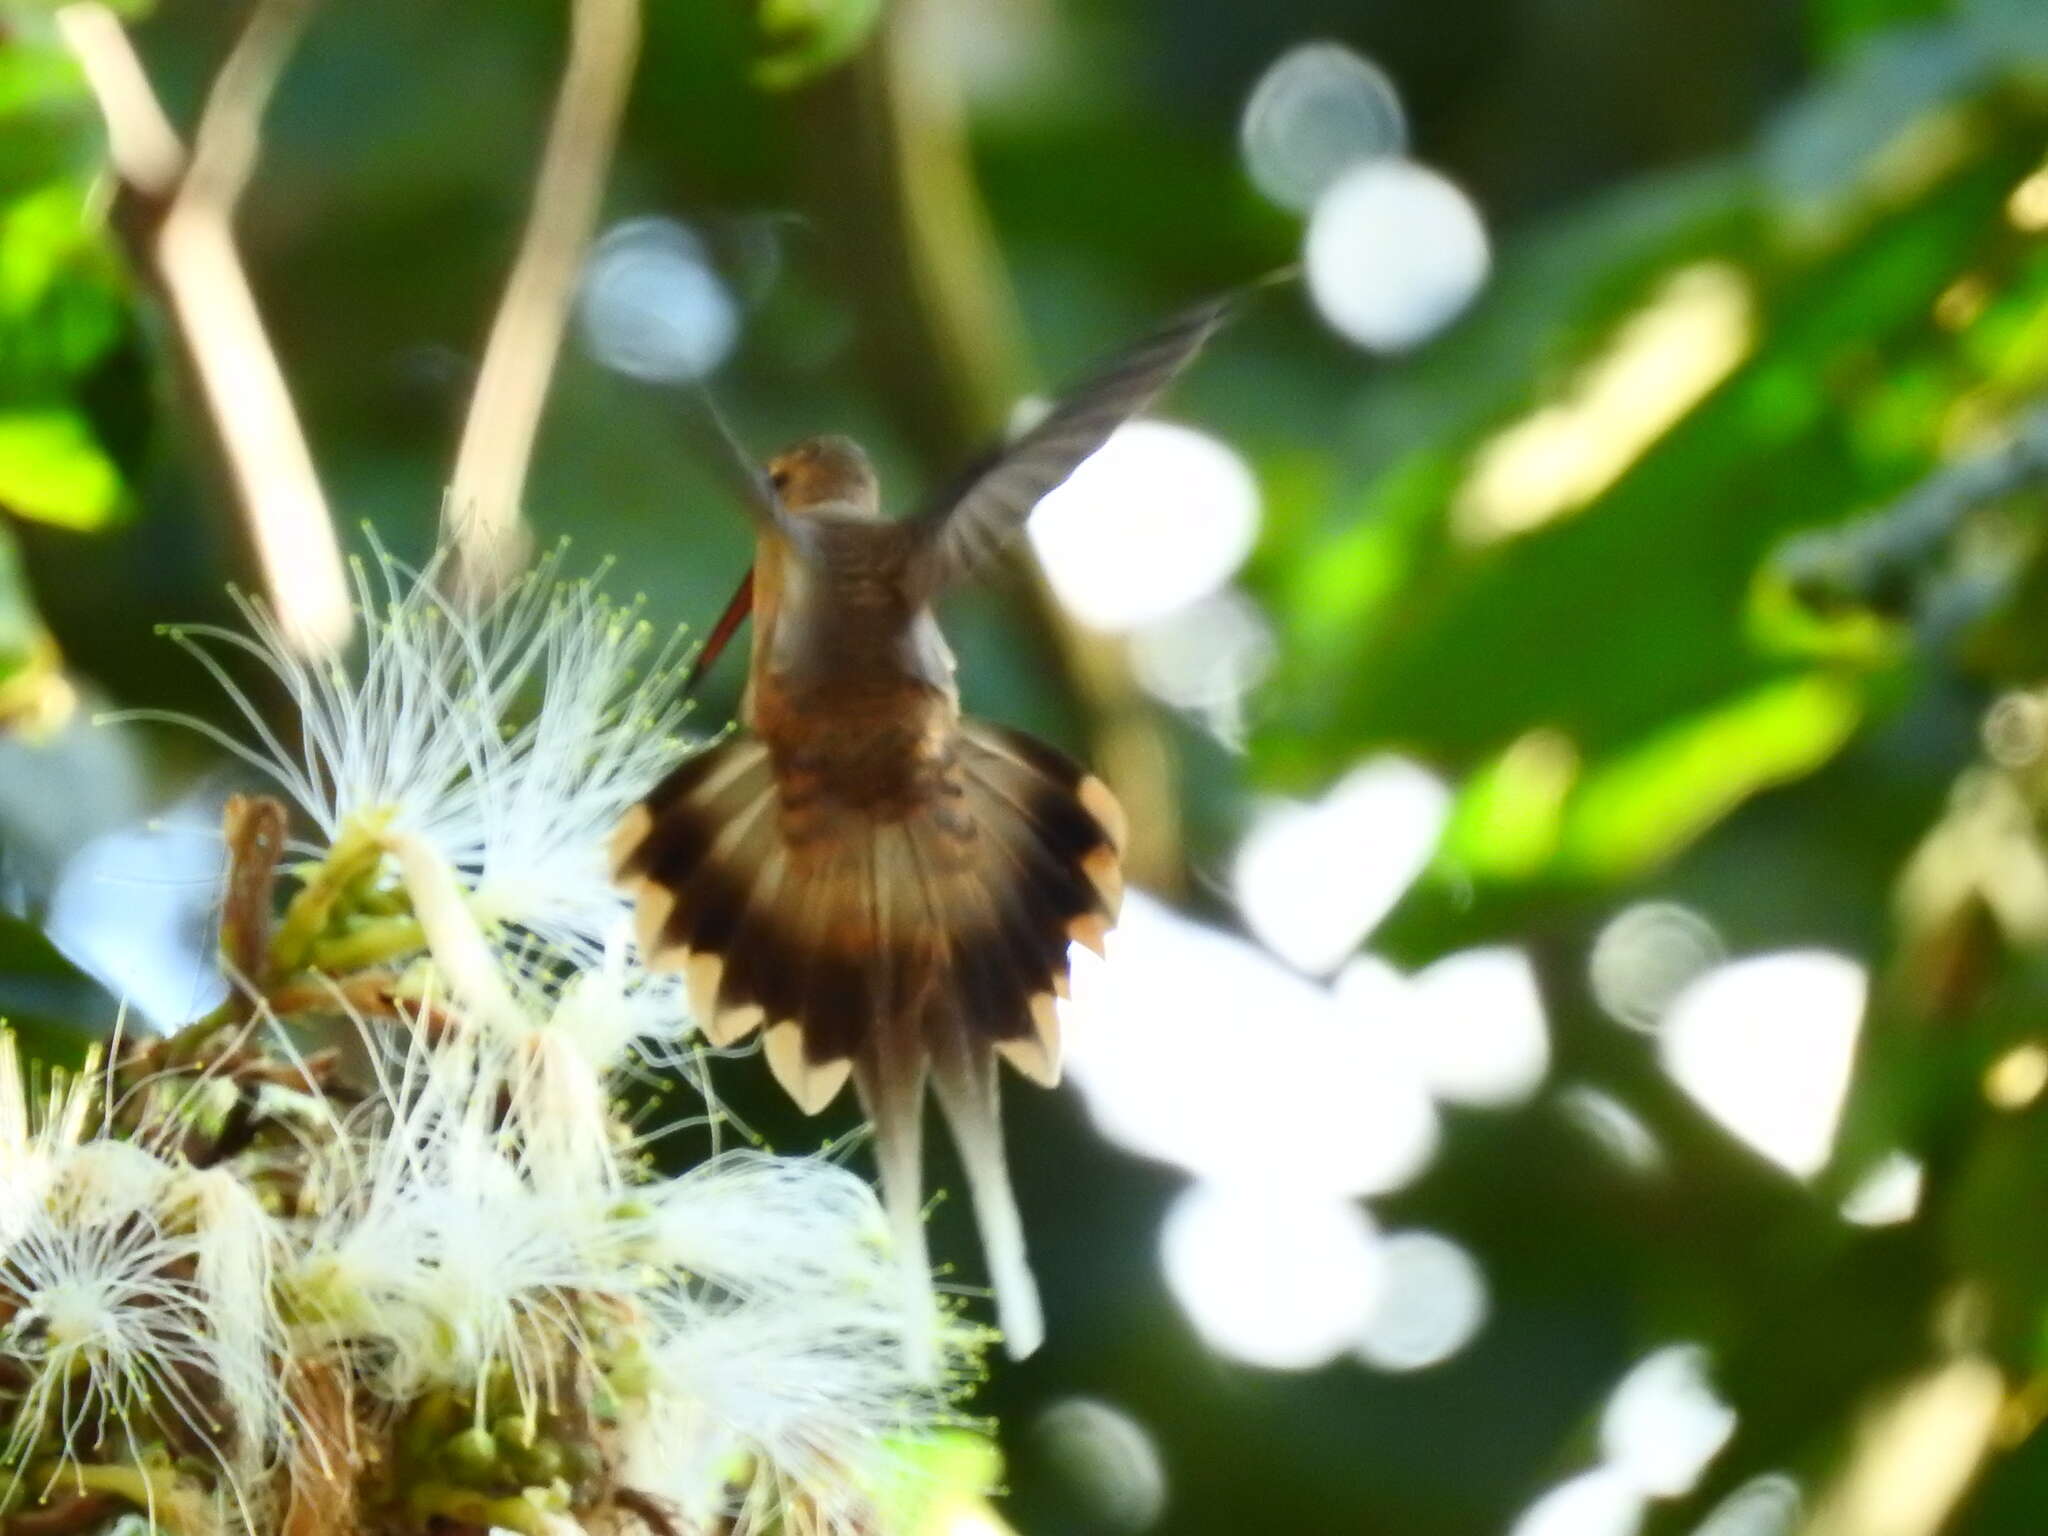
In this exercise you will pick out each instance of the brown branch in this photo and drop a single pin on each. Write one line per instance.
(181, 212)
(254, 829)
(320, 1481)
(482, 519)
(892, 172)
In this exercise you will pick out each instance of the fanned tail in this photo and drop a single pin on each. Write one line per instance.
(926, 945)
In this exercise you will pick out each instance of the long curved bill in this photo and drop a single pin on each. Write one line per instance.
(728, 625)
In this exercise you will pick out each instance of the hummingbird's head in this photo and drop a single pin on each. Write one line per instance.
(825, 471)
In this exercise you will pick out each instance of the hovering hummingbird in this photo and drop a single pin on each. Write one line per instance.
(889, 889)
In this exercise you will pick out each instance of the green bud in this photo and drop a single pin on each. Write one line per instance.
(472, 1457)
(540, 1465)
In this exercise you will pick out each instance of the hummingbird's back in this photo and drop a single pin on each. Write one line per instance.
(852, 684)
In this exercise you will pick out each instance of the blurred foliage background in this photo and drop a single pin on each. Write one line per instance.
(1698, 570)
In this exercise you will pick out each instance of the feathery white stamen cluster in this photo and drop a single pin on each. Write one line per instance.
(508, 739)
(469, 1252)
(750, 1303)
(136, 1296)
(440, 1261)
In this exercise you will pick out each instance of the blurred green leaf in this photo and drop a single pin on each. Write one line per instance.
(939, 1481)
(1837, 24)
(1509, 818)
(1636, 810)
(806, 38)
(40, 231)
(36, 74)
(52, 470)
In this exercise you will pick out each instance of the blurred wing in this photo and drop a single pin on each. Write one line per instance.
(965, 529)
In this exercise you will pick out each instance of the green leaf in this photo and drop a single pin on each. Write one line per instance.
(1509, 819)
(40, 232)
(805, 38)
(937, 1480)
(53, 470)
(1643, 806)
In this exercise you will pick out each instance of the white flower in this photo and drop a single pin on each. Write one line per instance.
(752, 1301)
(786, 1349)
(508, 740)
(135, 1293)
(235, 1244)
(103, 1322)
(549, 1042)
(438, 1259)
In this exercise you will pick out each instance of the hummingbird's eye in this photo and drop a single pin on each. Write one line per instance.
(779, 478)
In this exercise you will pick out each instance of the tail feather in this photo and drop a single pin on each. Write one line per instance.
(965, 1082)
(891, 1085)
(888, 951)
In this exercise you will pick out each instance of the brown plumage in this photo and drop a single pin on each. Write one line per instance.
(886, 890)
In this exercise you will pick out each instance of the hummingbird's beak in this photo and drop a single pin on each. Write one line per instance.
(728, 625)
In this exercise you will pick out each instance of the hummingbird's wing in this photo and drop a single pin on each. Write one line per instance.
(967, 527)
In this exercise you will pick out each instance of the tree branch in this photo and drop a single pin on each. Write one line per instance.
(482, 518)
(181, 212)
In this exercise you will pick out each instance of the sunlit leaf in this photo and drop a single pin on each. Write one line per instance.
(39, 232)
(53, 470)
(1784, 621)
(805, 38)
(1644, 805)
(942, 1481)
(1509, 819)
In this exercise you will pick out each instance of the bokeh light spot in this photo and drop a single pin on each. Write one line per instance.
(1613, 1127)
(1766, 1505)
(1889, 1194)
(2027, 206)
(1272, 1277)
(2016, 1079)
(1205, 659)
(1766, 1046)
(651, 305)
(1318, 110)
(1646, 955)
(1313, 880)
(1187, 1035)
(1664, 1423)
(1159, 517)
(1479, 1030)
(1432, 1303)
(1602, 1502)
(1106, 1461)
(1661, 362)
(134, 909)
(1395, 253)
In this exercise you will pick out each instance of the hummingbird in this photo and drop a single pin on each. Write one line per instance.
(883, 887)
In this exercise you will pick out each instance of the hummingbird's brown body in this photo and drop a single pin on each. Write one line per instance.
(887, 890)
